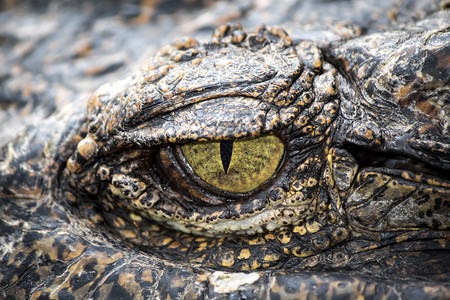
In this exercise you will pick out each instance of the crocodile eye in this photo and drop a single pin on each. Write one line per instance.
(237, 166)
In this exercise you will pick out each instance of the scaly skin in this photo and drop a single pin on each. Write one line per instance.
(105, 205)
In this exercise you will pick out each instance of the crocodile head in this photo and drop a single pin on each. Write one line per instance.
(249, 158)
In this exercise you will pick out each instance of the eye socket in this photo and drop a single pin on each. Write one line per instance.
(237, 166)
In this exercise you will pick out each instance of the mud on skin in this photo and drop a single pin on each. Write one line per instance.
(345, 143)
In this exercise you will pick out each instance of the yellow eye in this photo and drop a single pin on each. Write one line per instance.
(237, 166)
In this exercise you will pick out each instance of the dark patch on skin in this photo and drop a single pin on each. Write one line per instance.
(31, 237)
(61, 248)
(436, 224)
(7, 230)
(119, 292)
(88, 276)
(169, 288)
(65, 295)
(437, 203)
(423, 200)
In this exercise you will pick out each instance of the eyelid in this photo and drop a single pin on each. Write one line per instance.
(206, 120)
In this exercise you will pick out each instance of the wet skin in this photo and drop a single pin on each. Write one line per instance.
(112, 202)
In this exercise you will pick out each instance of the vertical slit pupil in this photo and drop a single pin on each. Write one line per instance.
(226, 150)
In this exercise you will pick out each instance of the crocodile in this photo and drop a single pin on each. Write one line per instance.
(250, 165)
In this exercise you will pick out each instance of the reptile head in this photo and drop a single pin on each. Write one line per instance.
(217, 140)
(245, 153)
(224, 153)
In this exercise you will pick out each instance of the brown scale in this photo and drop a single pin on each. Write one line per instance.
(339, 175)
(396, 197)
